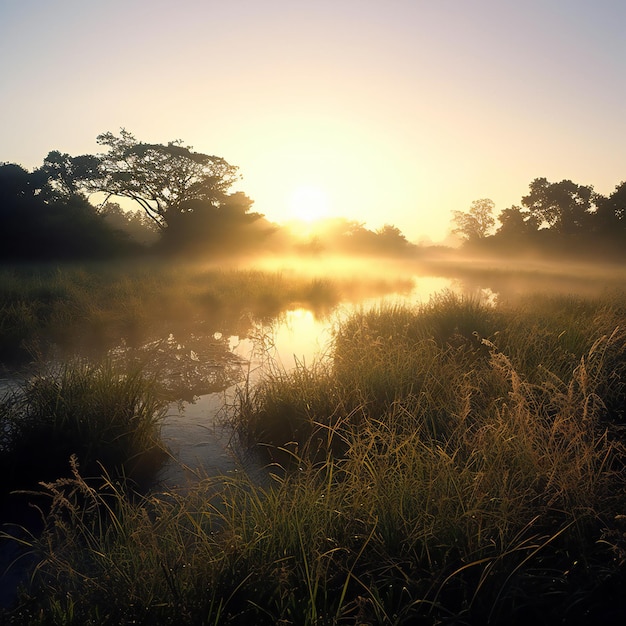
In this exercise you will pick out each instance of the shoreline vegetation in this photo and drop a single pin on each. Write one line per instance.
(453, 462)
(88, 307)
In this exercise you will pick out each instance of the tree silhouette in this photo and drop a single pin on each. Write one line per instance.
(610, 218)
(210, 228)
(476, 223)
(68, 176)
(136, 224)
(516, 222)
(564, 207)
(37, 223)
(165, 180)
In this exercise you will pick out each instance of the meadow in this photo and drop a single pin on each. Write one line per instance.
(455, 462)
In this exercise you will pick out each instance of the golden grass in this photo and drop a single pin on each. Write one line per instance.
(427, 475)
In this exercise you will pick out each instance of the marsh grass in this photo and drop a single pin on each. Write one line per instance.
(105, 415)
(434, 471)
(94, 307)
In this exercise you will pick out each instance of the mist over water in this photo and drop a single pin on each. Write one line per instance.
(186, 323)
(299, 336)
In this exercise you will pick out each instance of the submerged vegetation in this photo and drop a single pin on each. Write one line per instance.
(454, 462)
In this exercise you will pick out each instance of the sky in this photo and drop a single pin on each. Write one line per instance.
(384, 112)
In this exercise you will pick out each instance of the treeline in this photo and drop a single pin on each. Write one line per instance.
(554, 218)
(69, 208)
(37, 222)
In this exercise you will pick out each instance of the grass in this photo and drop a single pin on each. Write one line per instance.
(450, 463)
(105, 416)
(92, 307)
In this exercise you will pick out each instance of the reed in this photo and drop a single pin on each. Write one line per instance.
(97, 306)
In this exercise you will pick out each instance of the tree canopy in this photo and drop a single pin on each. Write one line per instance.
(166, 180)
(38, 222)
(564, 207)
(477, 222)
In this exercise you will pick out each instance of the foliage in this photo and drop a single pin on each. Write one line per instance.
(564, 206)
(68, 176)
(348, 237)
(222, 231)
(477, 222)
(38, 223)
(137, 225)
(104, 415)
(165, 180)
(95, 307)
(610, 218)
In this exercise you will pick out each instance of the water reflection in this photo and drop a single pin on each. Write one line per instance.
(194, 430)
(201, 442)
(200, 358)
(187, 366)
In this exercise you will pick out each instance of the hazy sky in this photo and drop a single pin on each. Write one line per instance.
(397, 111)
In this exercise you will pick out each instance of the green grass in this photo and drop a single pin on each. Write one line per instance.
(449, 463)
(107, 416)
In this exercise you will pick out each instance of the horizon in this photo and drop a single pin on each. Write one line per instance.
(396, 114)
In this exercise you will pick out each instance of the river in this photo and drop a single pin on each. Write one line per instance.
(195, 431)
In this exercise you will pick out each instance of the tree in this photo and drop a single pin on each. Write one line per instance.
(516, 222)
(564, 207)
(136, 224)
(206, 227)
(68, 176)
(165, 180)
(610, 218)
(476, 223)
(36, 224)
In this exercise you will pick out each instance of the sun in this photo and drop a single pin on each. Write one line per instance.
(308, 203)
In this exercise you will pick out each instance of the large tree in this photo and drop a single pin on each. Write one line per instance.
(166, 180)
(476, 223)
(564, 207)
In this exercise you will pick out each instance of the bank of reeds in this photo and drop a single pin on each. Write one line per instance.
(453, 463)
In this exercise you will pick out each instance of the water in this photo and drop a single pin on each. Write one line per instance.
(197, 433)
(203, 373)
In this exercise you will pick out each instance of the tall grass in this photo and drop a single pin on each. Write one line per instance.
(434, 471)
(104, 415)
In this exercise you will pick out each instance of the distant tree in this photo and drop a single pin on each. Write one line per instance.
(476, 223)
(136, 224)
(564, 207)
(392, 234)
(167, 181)
(391, 240)
(516, 222)
(610, 218)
